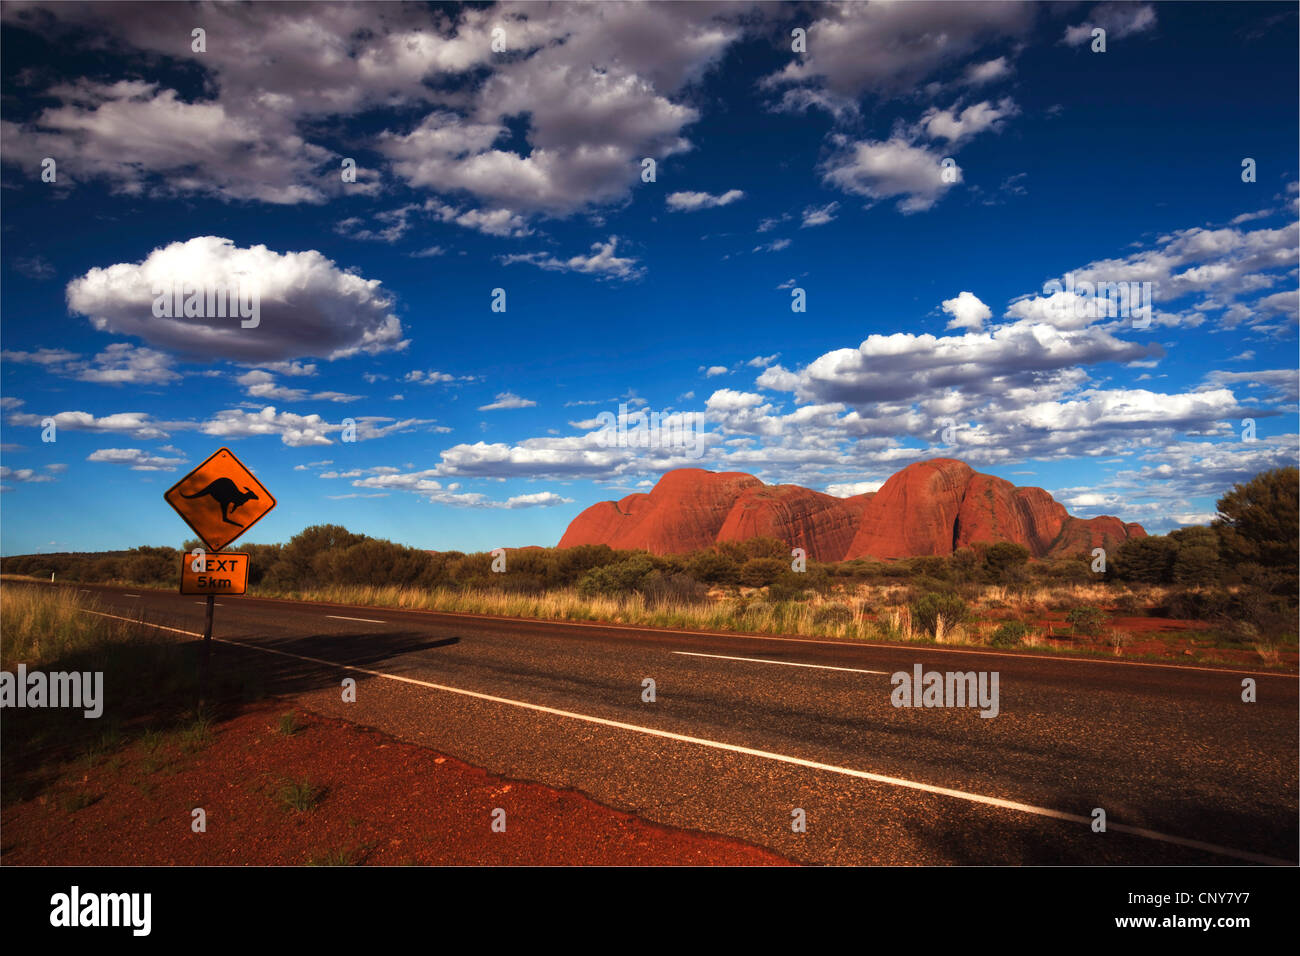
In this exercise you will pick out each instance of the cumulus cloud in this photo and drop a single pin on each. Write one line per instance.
(887, 48)
(691, 201)
(600, 86)
(261, 384)
(849, 489)
(893, 168)
(119, 364)
(954, 126)
(967, 312)
(137, 459)
(23, 474)
(308, 306)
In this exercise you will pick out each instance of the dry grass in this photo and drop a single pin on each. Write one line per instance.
(43, 624)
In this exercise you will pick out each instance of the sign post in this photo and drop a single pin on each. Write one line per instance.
(219, 500)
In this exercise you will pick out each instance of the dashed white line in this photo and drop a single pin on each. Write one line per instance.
(763, 660)
(780, 758)
(363, 620)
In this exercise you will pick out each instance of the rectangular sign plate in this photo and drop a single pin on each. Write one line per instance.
(224, 572)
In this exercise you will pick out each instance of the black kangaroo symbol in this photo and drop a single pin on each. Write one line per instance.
(227, 494)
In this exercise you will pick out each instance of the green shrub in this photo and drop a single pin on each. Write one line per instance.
(760, 572)
(927, 609)
(1010, 634)
(1088, 621)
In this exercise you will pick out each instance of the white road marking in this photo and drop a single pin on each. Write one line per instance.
(1047, 656)
(215, 604)
(130, 595)
(737, 635)
(84, 591)
(363, 620)
(161, 627)
(763, 660)
(768, 755)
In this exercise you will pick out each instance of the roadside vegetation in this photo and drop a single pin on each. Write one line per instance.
(1235, 580)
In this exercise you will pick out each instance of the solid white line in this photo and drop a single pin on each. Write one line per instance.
(130, 595)
(761, 660)
(768, 755)
(363, 620)
(161, 627)
(215, 603)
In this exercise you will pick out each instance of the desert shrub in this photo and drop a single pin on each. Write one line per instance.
(1128, 604)
(928, 608)
(760, 572)
(833, 614)
(662, 589)
(1088, 621)
(932, 567)
(1004, 562)
(1010, 634)
(713, 568)
(371, 562)
(787, 587)
(621, 577)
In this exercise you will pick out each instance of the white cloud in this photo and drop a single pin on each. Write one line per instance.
(691, 201)
(23, 474)
(1119, 20)
(887, 48)
(308, 306)
(967, 312)
(849, 489)
(884, 170)
(136, 458)
(602, 262)
(990, 71)
(818, 215)
(956, 127)
(506, 400)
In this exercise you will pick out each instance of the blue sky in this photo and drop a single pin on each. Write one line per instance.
(927, 330)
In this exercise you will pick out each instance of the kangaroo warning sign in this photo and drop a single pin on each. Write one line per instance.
(220, 500)
(222, 572)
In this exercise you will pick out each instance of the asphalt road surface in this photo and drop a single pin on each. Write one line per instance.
(744, 731)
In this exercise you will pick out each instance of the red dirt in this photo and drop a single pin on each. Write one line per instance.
(383, 802)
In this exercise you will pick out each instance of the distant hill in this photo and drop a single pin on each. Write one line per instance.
(929, 508)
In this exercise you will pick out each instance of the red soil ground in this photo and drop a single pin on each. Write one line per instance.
(382, 802)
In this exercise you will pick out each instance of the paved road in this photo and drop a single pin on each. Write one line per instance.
(744, 730)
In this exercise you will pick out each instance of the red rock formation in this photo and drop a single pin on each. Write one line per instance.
(929, 508)
(937, 506)
(821, 524)
(684, 512)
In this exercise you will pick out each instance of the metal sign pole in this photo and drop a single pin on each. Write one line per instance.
(206, 654)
